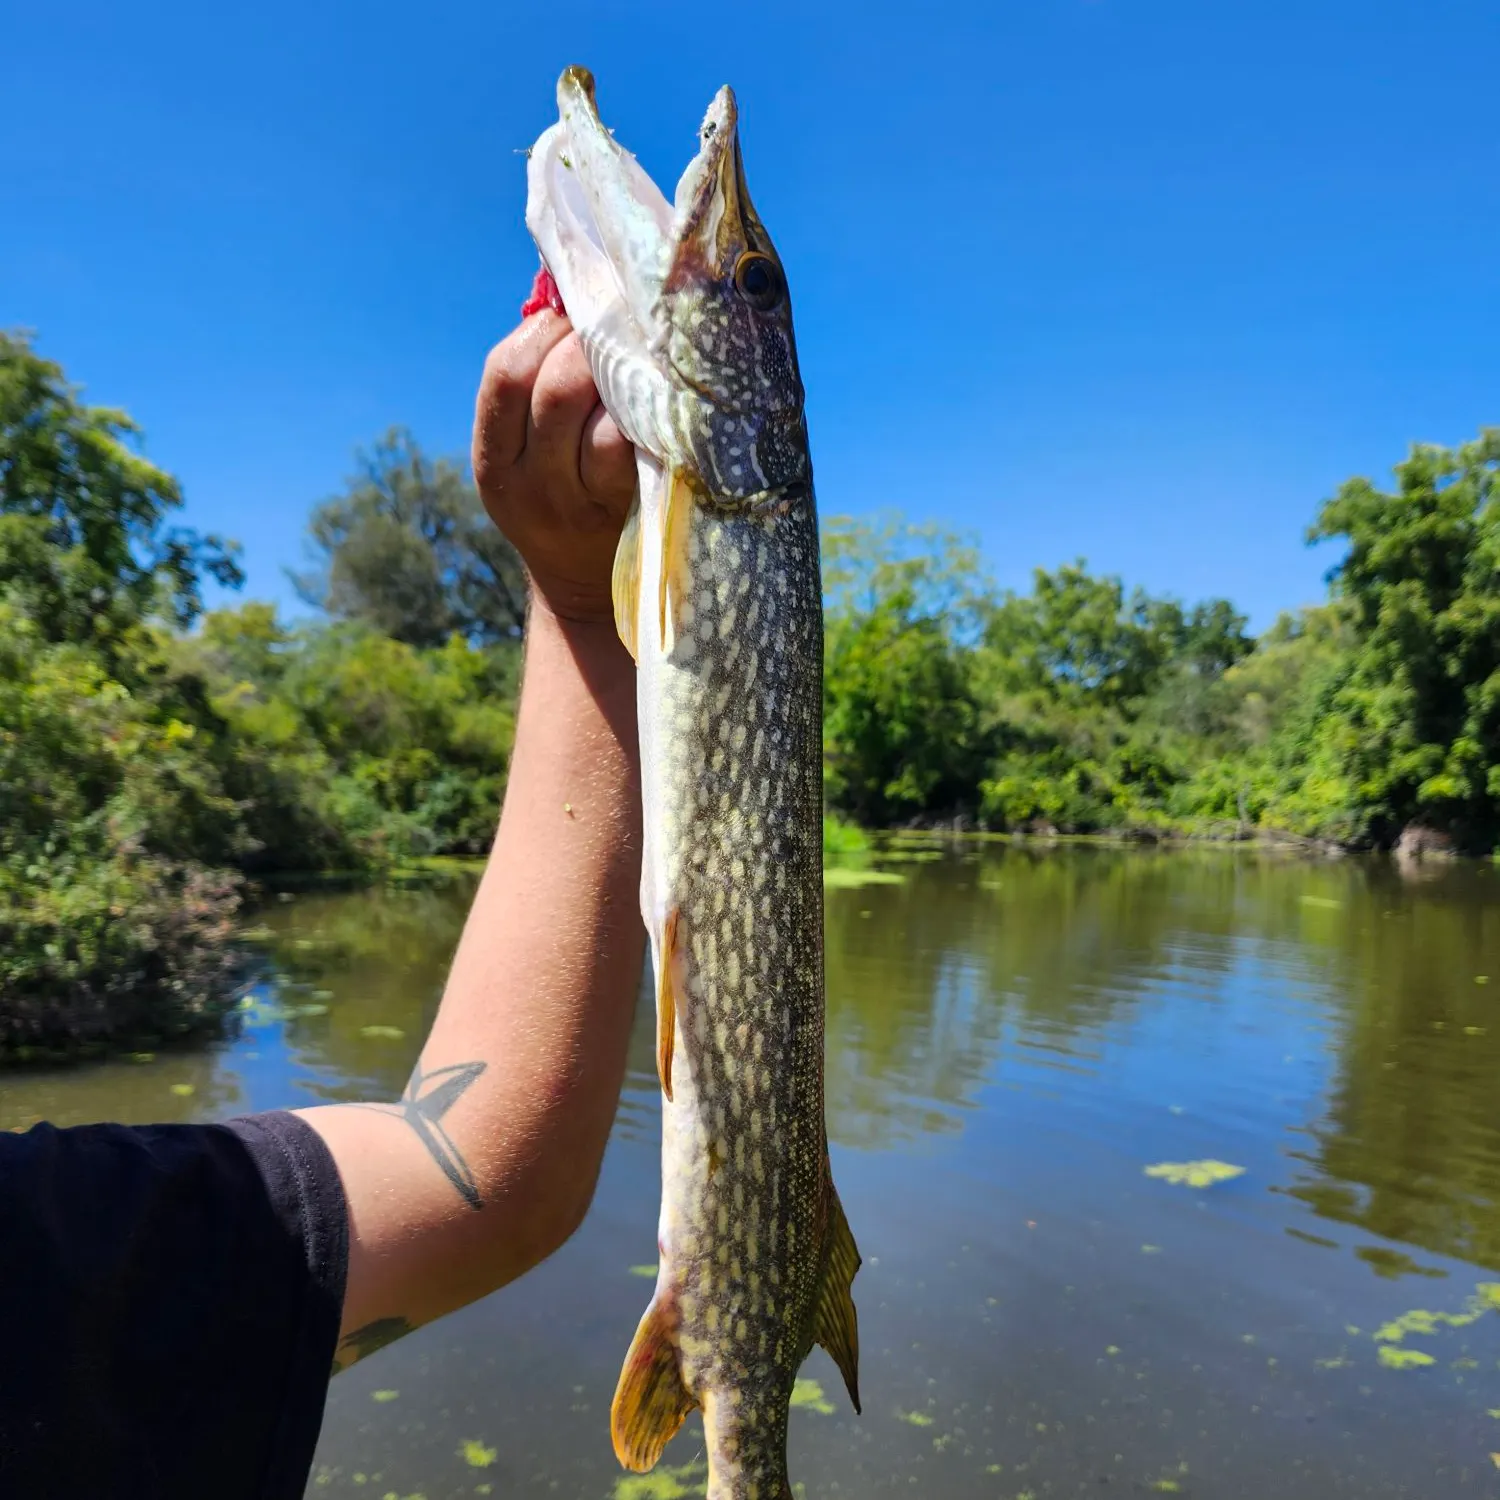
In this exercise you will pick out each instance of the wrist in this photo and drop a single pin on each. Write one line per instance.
(589, 647)
(569, 603)
(591, 630)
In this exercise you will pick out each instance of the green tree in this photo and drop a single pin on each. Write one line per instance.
(111, 924)
(1098, 702)
(1414, 724)
(1080, 635)
(900, 721)
(408, 550)
(84, 544)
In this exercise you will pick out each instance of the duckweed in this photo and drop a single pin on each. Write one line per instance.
(1403, 1359)
(809, 1393)
(1196, 1174)
(663, 1483)
(476, 1455)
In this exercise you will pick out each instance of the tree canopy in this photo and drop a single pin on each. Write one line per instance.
(1415, 718)
(84, 539)
(408, 550)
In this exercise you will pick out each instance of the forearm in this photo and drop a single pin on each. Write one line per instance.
(490, 1161)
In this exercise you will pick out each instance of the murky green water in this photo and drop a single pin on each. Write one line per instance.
(1014, 1038)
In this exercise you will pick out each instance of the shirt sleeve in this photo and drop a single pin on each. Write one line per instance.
(170, 1300)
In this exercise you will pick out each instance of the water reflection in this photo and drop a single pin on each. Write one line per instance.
(1410, 1145)
(1013, 1036)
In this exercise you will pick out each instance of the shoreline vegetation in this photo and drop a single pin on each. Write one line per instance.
(162, 762)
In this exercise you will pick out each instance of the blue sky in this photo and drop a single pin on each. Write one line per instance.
(1138, 280)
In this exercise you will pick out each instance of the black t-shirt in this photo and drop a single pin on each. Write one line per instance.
(170, 1299)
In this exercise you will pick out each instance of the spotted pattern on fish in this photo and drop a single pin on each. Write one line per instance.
(745, 1154)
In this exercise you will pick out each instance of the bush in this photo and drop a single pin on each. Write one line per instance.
(131, 950)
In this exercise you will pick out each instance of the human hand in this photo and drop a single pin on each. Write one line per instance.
(554, 472)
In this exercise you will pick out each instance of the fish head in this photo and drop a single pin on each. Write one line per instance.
(683, 308)
(724, 316)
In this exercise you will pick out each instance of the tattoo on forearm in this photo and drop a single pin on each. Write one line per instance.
(428, 1097)
(354, 1346)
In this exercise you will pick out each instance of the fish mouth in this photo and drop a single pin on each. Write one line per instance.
(602, 224)
(714, 219)
(594, 208)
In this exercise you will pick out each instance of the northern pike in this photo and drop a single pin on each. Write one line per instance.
(684, 314)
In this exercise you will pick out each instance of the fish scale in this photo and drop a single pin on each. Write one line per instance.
(744, 1150)
(684, 315)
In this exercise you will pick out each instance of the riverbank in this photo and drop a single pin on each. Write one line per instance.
(208, 955)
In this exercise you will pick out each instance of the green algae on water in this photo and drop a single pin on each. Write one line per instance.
(1421, 1320)
(1403, 1359)
(809, 1393)
(645, 1270)
(384, 1396)
(382, 1033)
(183, 1090)
(663, 1483)
(915, 1418)
(476, 1455)
(1196, 1174)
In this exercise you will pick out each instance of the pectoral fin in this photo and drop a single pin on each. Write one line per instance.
(836, 1326)
(625, 582)
(676, 544)
(651, 1402)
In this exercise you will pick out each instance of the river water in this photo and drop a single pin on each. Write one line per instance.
(1015, 1037)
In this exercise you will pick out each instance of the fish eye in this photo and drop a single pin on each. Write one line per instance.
(758, 280)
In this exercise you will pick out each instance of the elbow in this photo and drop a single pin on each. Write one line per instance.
(566, 1215)
(553, 1211)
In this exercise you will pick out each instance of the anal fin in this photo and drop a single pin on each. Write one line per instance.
(836, 1325)
(651, 1402)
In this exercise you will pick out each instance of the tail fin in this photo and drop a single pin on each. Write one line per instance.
(651, 1402)
(837, 1325)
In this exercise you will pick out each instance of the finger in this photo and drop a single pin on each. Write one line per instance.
(606, 462)
(503, 406)
(561, 401)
